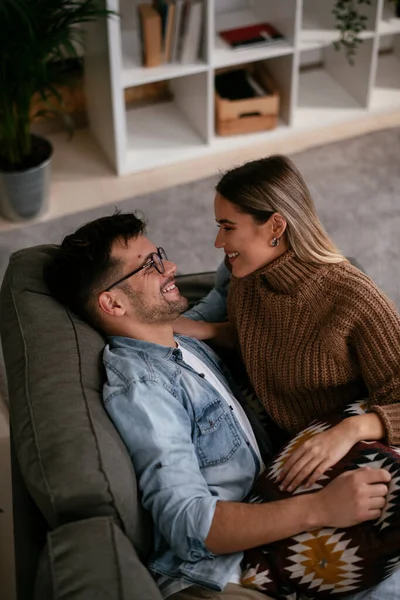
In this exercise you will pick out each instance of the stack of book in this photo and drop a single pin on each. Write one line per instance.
(171, 31)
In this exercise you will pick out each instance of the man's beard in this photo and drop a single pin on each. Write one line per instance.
(165, 312)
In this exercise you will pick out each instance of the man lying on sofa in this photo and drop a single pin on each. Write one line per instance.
(192, 446)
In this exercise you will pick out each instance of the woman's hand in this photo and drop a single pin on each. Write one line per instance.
(321, 452)
(220, 333)
(196, 329)
(318, 454)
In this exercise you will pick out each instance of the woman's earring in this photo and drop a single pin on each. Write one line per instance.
(275, 242)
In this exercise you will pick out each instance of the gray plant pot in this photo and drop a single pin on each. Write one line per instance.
(25, 194)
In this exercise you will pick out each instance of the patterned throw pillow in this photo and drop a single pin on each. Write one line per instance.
(328, 562)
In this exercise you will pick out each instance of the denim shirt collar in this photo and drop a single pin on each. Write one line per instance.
(158, 351)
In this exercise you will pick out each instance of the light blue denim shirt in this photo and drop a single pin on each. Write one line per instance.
(188, 451)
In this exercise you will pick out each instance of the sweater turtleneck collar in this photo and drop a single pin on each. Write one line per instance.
(285, 275)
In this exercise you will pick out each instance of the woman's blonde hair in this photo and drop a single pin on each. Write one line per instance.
(274, 184)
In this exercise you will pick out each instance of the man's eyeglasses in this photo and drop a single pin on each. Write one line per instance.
(156, 261)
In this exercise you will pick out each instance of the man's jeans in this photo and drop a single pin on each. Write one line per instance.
(389, 589)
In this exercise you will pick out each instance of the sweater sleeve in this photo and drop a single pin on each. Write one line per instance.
(375, 338)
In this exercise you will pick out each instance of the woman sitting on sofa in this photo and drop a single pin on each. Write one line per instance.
(315, 333)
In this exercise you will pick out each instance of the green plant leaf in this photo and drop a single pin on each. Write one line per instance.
(35, 38)
(350, 22)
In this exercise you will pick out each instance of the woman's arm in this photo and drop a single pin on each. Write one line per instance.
(220, 333)
(320, 452)
(196, 329)
(373, 334)
(212, 308)
(366, 427)
(375, 339)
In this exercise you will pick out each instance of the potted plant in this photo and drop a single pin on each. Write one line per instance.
(351, 22)
(36, 36)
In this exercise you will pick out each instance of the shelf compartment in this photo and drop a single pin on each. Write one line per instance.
(318, 25)
(386, 91)
(224, 56)
(133, 73)
(169, 132)
(323, 101)
(333, 89)
(281, 70)
(389, 23)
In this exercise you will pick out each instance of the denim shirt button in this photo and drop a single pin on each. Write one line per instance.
(201, 375)
(177, 354)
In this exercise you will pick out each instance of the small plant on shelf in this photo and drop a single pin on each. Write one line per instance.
(351, 22)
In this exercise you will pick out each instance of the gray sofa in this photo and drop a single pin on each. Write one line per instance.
(80, 530)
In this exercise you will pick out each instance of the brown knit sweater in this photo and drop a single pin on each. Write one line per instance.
(316, 337)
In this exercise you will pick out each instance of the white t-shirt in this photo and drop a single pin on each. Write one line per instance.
(200, 367)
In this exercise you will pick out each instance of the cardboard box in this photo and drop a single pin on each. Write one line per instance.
(252, 114)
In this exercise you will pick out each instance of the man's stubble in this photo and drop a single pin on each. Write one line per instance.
(163, 312)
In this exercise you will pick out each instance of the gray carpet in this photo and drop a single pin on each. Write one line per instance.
(355, 185)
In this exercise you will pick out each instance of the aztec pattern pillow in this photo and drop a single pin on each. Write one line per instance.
(328, 562)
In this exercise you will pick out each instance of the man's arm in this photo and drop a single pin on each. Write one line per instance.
(156, 429)
(352, 498)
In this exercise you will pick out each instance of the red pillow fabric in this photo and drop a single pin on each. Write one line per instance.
(328, 562)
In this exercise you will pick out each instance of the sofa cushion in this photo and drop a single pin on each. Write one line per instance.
(73, 461)
(327, 561)
(92, 559)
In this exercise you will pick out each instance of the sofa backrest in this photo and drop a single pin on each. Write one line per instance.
(72, 459)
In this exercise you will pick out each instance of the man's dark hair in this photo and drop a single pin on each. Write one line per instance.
(83, 265)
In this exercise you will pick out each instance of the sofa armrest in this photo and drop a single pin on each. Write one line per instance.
(30, 530)
(92, 558)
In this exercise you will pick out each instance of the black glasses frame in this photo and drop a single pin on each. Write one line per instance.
(156, 261)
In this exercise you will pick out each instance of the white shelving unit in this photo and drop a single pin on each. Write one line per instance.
(318, 24)
(388, 23)
(317, 86)
(386, 91)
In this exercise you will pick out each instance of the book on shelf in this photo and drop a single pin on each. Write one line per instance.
(176, 35)
(261, 34)
(151, 35)
(166, 9)
(171, 31)
(191, 35)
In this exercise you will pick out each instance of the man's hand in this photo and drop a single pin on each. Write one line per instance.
(353, 497)
(317, 455)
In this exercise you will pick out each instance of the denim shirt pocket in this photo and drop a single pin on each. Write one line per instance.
(216, 435)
